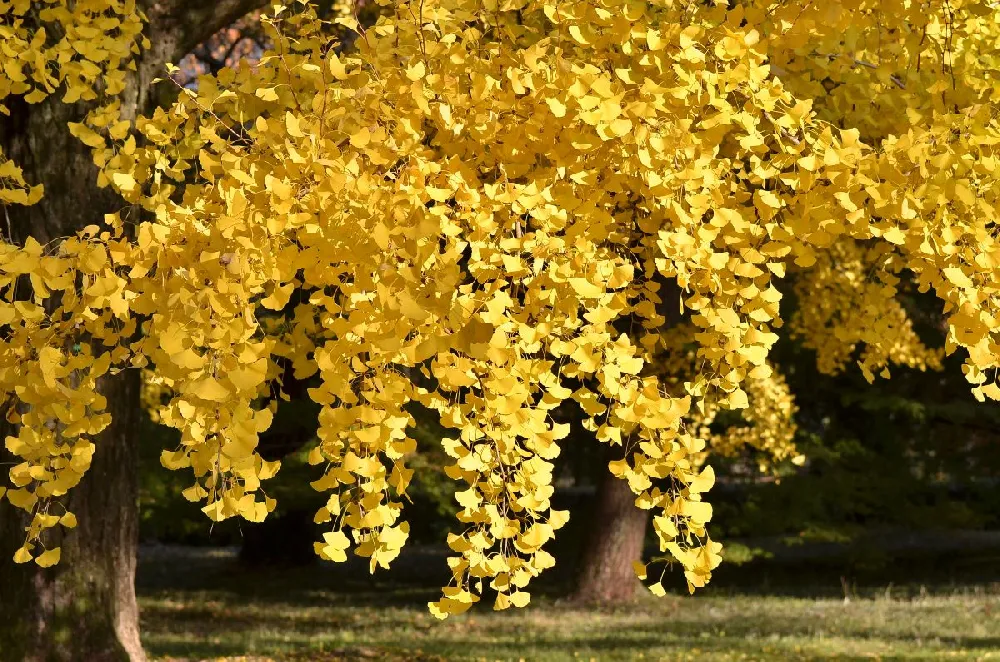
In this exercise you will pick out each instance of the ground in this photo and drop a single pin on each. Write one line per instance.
(201, 605)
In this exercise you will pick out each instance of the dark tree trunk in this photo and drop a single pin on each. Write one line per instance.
(286, 537)
(84, 609)
(615, 535)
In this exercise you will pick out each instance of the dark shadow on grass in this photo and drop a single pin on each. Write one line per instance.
(415, 578)
(422, 569)
(204, 604)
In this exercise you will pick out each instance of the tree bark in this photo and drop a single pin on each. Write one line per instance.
(85, 607)
(615, 538)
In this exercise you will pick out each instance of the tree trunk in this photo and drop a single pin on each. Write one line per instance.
(85, 607)
(615, 538)
(617, 528)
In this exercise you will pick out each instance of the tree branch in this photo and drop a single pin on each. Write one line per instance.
(177, 26)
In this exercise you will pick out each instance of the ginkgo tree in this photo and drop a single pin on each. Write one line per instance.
(466, 206)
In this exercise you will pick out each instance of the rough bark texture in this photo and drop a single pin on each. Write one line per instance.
(85, 607)
(615, 534)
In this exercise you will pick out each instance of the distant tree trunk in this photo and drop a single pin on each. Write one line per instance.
(616, 529)
(286, 537)
(615, 535)
(284, 540)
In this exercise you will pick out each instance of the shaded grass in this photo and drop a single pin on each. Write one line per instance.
(197, 607)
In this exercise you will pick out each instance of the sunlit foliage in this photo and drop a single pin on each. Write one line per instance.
(477, 210)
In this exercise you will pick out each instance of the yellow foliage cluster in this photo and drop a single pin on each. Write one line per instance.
(81, 48)
(849, 298)
(478, 194)
(768, 424)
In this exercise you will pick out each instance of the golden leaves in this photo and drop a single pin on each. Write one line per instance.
(93, 45)
(123, 180)
(487, 213)
(49, 557)
(208, 388)
(849, 307)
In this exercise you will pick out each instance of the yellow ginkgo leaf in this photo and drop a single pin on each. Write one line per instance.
(49, 557)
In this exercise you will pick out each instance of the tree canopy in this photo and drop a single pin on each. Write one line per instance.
(489, 208)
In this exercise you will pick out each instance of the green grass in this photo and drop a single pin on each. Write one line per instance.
(205, 608)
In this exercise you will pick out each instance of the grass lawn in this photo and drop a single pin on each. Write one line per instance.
(205, 607)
